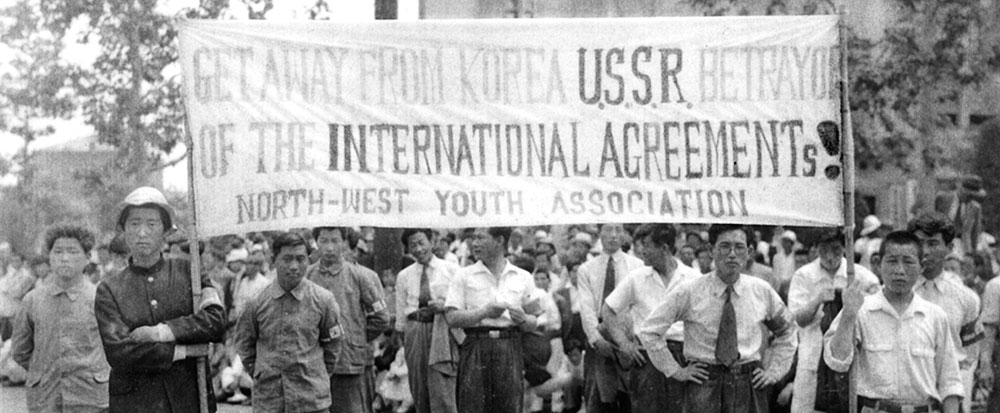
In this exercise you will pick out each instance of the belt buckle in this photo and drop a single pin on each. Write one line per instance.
(494, 333)
(907, 409)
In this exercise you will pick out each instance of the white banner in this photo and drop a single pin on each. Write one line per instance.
(513, 122)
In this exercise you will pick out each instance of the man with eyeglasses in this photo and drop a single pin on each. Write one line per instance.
(724, 315)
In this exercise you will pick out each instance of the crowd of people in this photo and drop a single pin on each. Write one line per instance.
(598, 318)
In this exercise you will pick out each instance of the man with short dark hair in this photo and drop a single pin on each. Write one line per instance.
(363, 316)
(606, 379)
(431, 350)
(146, 318)
(725, 315)
(900, 345)
(947, 290)
(289, 336)
(649, 384)
(491, 301)
(55, 336)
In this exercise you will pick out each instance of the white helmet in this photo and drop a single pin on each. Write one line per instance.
(145, 196)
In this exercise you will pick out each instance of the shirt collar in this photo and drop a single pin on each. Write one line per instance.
(718, 288)
(880, 303)
(72, 292)
(298, 292)
(434, 263)
(507, 269)
(144, 271)
(329, 273)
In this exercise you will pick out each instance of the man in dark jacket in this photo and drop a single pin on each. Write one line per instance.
(144, 314)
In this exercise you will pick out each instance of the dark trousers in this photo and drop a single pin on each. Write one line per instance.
(351, 393)
(653, 392)
(432, 391)
(490, 369)
(604, 387)
(727, 391)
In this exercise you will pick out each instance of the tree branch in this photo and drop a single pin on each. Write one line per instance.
(168, 164)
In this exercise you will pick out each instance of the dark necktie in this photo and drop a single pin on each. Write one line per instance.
(726, 349)
(425, 288)
(609, 279)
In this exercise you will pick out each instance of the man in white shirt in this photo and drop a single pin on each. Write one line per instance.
(633, 299)
(420, 293)
(783, 262)
(900, 345)
(606, 390)
(727, 316)
(488, 300)
(814, 300)
(947, 290)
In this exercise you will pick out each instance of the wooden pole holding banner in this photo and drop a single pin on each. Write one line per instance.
(847, 154)
(196, 274)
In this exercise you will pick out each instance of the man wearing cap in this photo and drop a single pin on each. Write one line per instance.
(726, 316)
(814, 299)
(607, 389)
(363, 315)
(491, 301)
(968, 218)
(783, 262)
(868, 243)
(144, 314)
(431, 350)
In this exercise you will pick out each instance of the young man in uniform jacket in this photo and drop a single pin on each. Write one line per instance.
(145, 317)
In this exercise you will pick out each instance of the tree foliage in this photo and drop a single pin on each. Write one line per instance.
(930, 52)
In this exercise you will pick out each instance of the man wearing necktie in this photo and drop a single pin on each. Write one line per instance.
(940, 287)
(606, 390)
(420, 293)
(723, 314)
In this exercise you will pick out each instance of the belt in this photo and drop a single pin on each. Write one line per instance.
(745, 368)
(491, 332)
(421, 316)
(893, 407)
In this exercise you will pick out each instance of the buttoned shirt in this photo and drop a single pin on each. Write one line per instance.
(643, 290)
(56, 340)
(144, 375)
(961, 305)
(245, 288)
(475, 286)
(289, 341)
(363, 312)
(906, 357)
(439, 275)
(807, 283)
(590, 277)
(991, 303)
(698, 303)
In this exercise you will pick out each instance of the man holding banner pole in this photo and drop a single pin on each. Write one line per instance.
(145, 316)
(724, 315)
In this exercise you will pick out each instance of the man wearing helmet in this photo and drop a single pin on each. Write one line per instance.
(144, 314)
